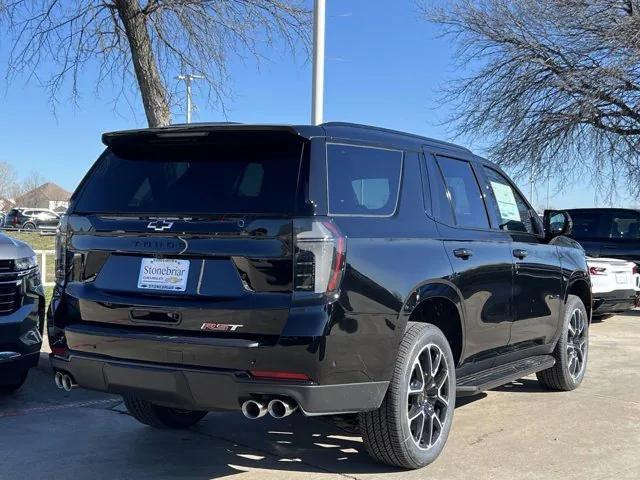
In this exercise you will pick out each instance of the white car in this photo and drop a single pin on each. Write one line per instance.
(615, 285)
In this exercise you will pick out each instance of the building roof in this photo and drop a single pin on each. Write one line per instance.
(47, 191)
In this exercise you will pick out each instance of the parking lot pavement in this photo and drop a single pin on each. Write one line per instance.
(517, 431)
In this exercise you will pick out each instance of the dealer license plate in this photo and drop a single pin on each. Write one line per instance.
(163, 274)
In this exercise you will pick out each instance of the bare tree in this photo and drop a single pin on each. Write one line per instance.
(554, 84)
(151, 41)
(8, 178)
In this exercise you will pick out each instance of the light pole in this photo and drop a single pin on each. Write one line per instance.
(319, 23)
(187, 80)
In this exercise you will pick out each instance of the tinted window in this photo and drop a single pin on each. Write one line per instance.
(244, 174)
(513, 212)
(440, 201)
(585, 225)
(468, 205)
(624, 225)
(363, 180)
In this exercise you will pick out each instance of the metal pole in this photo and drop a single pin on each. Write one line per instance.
(319, 23)
(187, 80)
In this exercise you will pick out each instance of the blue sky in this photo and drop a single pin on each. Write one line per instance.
(384, 67)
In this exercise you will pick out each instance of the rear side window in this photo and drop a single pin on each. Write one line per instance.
(624, 225)
(233, 174)
(464, 191)
(363, 180)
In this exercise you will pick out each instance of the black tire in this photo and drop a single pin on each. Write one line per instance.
(563, 376)
(29, 226)
(13, 387)
(161, 417)
(388, 435)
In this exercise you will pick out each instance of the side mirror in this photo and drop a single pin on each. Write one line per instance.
(557, 223)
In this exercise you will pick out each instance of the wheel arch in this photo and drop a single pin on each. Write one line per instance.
(580, 287)
(439, 303)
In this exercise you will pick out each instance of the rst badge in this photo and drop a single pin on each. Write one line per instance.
(220, 327)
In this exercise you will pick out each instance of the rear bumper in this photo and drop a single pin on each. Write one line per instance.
(210, 389)
(614, 302)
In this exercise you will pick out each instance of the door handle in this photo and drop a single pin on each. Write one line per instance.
(519, 253)
(463, 253)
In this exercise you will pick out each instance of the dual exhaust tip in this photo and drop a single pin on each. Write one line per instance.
(277, 408)
(64, 381)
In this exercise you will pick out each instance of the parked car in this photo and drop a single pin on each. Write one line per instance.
(334, 269)
(614, 285)
(22, 308)
(32, 219)
(608, 232)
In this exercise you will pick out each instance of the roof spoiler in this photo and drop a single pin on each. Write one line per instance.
(192, 132)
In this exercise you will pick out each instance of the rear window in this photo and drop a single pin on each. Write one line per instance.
(363, 180)
(234, 174)
(585, 225)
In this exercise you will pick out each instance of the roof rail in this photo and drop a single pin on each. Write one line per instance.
(396, 132)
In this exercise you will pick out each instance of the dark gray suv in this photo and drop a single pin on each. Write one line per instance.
(21, 313)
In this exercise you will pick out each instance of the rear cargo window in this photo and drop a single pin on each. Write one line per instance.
(239, 175)
(363, 180)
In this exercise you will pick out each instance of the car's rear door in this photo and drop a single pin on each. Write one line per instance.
(537, 281)
(480, 256)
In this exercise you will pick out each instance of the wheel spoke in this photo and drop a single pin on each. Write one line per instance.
(417, 412)
(416, 385)
(435, 363)
(429, 427)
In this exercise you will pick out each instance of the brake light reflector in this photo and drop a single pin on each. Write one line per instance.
(270, 375)
(597, 270)
(320, 256)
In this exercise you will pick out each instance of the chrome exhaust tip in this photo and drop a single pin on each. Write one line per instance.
(252, 409)
(281, 408)
(58, 379)
(67, 382)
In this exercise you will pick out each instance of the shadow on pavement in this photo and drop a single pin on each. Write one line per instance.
(227, 444)
(524, 385)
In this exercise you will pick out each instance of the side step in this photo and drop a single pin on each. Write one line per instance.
(486, 380)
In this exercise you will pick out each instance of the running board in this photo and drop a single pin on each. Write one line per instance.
(486, 380)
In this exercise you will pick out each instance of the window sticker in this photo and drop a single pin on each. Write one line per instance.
(506, 202)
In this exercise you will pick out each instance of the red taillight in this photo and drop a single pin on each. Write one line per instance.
(272, 375)
(635, 270)
(60, 351)
(320, 256)
(597, 270)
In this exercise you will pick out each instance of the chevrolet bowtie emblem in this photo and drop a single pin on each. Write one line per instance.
(160, 225)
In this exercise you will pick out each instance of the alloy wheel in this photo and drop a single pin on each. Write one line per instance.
(428, 396)
(576, 343)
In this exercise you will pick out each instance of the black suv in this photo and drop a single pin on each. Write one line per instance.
(330, 269)
(21, 313)
(31, 219)
(608, 232)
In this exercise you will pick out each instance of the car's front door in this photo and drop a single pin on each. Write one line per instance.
(480, 257)
(537, 280)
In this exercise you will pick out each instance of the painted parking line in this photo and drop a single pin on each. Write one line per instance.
(61, 406)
